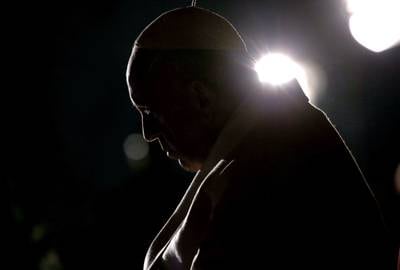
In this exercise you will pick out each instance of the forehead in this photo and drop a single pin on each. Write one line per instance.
(150, 78)
(137, 75)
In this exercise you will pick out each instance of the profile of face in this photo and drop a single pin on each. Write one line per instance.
(177, 113)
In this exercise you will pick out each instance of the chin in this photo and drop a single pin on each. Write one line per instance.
(190, 166)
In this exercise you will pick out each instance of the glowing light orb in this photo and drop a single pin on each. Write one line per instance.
(375, 24)
(135, 147)
(276, 69)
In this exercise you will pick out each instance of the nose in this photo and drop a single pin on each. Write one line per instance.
(150, 128)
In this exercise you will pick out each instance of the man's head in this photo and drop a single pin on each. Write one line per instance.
(183, 79)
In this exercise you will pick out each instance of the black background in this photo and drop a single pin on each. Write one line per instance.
(67, 114)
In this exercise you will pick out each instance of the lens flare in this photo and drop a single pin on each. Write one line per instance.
(277, 68)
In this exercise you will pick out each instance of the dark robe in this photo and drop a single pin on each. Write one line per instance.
(280, 191)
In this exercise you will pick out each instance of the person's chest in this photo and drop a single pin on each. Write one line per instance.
(184, 244)
(178, 242)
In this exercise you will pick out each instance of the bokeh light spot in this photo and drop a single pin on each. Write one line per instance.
(38, 232)
(135, 147)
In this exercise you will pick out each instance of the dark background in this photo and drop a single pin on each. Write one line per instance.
(70, 197)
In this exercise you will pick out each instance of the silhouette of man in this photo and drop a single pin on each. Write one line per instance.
(275, 185)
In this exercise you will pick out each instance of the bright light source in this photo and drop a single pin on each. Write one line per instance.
(375, 24)
(359, 5)
(135, 147)
(276, 69)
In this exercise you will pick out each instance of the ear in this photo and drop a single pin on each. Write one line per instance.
(204, 96)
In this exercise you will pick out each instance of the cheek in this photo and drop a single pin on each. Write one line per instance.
(181, 131)
(188, 125)
(183, 125)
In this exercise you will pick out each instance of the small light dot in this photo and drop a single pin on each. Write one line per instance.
(38, 232)
(135, 147)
